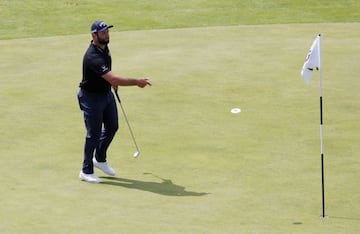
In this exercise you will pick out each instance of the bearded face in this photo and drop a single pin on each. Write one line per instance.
(103, 37)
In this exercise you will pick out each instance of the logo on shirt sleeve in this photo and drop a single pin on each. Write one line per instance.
(104, 68)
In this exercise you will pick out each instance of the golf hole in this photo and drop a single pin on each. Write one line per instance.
(235, 110)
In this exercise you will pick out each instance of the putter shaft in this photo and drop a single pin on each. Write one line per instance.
(127, 121)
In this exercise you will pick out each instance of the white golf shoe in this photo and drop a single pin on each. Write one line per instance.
(104, 166)
(91, 178)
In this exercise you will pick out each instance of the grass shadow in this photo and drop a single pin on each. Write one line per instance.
(165, 187)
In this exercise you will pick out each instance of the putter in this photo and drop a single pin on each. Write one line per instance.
(137, 153)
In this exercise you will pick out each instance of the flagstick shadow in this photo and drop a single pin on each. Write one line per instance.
(165, 187)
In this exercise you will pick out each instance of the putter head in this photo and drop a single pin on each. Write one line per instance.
(136, 154)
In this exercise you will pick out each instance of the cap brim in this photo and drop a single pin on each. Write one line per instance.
(109, 26)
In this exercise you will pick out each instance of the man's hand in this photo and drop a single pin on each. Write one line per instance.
(142, 82)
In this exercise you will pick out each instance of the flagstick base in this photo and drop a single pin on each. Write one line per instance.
(324, 217)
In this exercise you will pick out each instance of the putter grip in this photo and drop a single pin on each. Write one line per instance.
(117, 96)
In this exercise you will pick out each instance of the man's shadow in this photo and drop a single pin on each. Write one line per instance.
(165, 187)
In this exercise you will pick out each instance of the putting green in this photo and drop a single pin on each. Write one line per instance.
(202, 169)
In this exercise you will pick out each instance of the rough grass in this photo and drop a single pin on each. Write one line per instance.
(38, 18)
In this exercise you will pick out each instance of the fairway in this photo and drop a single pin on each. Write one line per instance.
(202, 168)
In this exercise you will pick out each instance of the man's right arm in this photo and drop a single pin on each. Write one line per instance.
(116, 80)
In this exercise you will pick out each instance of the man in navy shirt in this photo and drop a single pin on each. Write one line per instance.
(98, 103)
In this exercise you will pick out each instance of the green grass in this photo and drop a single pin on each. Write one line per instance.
(202, 169)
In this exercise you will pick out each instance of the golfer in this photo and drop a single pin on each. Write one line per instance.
(98, 103)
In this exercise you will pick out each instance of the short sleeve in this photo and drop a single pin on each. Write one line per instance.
(99, 66)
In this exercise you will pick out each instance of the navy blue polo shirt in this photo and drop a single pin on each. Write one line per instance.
(96, 63)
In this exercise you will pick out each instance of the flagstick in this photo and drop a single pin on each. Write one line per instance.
(322, 160)
(321, 135)
(313, 61)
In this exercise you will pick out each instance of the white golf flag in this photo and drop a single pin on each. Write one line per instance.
(313, 60)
